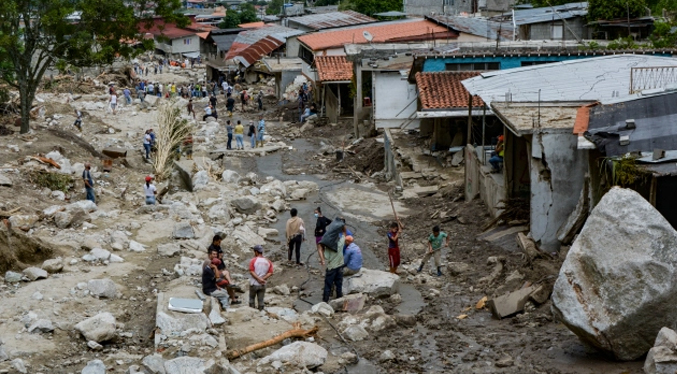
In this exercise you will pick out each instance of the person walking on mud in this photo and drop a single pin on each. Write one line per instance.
(394, 247)
(435, 249)
(295, 232)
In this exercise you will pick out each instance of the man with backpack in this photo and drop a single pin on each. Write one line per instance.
(331, 254)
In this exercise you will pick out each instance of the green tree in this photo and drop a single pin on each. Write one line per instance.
(38, 34)
(326, 2)
(248, 13)
(231, 20)
(245, 13)
(612, 9)
(274, 7)
(662, 36)
(369, 7)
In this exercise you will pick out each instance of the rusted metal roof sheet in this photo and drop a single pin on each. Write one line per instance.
(254, 52)
(331, 20)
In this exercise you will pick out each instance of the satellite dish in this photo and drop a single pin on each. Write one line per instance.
(367, 36)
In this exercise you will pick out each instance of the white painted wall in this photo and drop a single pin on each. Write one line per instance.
(392, 93)
(178, 45)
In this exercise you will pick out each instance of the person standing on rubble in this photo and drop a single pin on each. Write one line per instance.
(260, 269)
(260, 130)
(78, 119)
(230, 104)
(320, 227)
(295, 232)
(150, 191)
(333, 277)
(128, 95)
(89, 182)
(229, 130)
(239, 135)
(252, 134)
(435, 249)
(394, 247)
(259, 99)
(113, 101)
(190, 108)
(147, 140)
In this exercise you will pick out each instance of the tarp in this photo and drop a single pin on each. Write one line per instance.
(192, 54)
(331, 236)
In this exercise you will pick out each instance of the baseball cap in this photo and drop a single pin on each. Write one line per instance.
(258, 248)
(148, 178)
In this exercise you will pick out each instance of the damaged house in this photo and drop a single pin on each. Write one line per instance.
(539, 107)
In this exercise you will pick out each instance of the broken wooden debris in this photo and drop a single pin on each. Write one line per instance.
(529, 247)
(114, 152)
(296, 332)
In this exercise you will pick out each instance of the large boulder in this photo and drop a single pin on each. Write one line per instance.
(617, 285)
(94, 367)
(662, 358)
(183, 230)
(230, 176)
(246, 205)
(99, 328)
(73, 216)
(52, 266)
(301, 354)
(376, 283)
(274, 188)
(104, 288)
(34, 273)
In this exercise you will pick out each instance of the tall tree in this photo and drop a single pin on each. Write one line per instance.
(369, 7)
(38, 34)
(274, 7)
(245, 13)
(613, 9)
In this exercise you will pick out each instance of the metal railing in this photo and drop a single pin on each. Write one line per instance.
(649, 78)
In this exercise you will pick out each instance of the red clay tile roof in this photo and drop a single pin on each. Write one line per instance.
(443, 90)
(391, 32)
(251, 25)
(333, 68)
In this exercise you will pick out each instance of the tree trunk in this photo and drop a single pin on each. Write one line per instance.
(25, 106)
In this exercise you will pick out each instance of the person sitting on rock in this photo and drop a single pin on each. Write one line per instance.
(352, 257)
(224, 280)
(209, 286)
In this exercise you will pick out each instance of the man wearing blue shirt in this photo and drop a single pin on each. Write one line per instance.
(352, 257)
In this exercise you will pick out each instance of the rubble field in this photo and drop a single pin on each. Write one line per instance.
(87, 287)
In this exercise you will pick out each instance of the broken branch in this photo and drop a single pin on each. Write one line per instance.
(296, 332)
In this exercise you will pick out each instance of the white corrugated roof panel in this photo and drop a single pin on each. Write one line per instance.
(603, 79)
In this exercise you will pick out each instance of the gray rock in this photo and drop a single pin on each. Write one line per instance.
(299, 194)
(617, 285)
(185, 365)
(97, 254)
(115, 259)
(71, 217)
(279, 206)
(200, 179)
(169, 249)
(41, 325)
(323, 309)
(183, 230)
(230, 176)
(301, 354)
(5, 181)
(274, 188)
(94, 367)
(376, 283)
(246, 205)
(215, 314)
(52, 266)
(94, 345)
(387, 355)
(13, 277)
(99, 328)
(169, 325)
(119, 240)
(662, 358)
(24, 221)
(135, 246)
(87, 205)
(18, 365)
(154, 364)
(282, 289)
(34, 273)
(104, 288)
(457, 268)
(219, 212)
(3, 354)
(356, 333)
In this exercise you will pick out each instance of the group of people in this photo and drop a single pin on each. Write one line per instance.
(217, 282)
(254, 132)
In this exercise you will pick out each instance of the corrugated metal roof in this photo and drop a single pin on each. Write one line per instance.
(477, 26)
(254, 52)
(655, 118)
(224, 41)
(330, 20)
(603, 79)
(546, 14)
(276, 31)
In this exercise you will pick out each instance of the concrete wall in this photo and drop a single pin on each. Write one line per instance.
(557, 174)
(543, 31)
(293, 46)
(479, 180)
(427, 7)
(178, 45)
(394, 100)
(331, 103)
